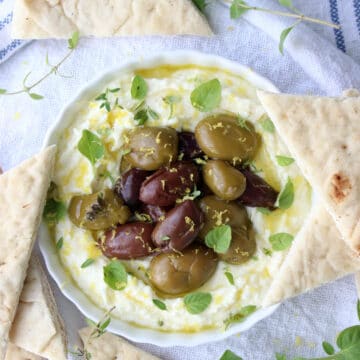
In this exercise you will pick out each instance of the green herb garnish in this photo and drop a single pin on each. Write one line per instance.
(219, 238)
(263, 210)
(139, 88)
(267, 251)
(171, 100)
(87, 263)
(240, 316)
(267, 124)
(230, 277)
(115, 275)
(328, 348)
(141, 117)
(161, 305)
(197, 302)
(284, 160)
(54, 211)
(105, 102)
(286, 196)
(207, 96)
(229, 355)
(281, 241)
(91, 147)
(59, 243)
(200, 4)
(243, 122)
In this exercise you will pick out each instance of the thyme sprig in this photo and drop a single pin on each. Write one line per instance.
(54, 69)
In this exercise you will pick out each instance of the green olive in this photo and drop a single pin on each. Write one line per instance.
(174, 274)
(242, 246)
(98, 211)
(151, 147)
(218, 212)
(224, 180)
(222, 137)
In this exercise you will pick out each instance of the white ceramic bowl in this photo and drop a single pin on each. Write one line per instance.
(65, 283)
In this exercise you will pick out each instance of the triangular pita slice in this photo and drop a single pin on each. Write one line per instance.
(317, 256)
(109, 346)
(49, 19)
(22, 198)
(15, 353)
(323, 135)
(38, 327)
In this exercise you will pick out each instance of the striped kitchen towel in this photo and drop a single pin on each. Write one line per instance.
(8, 46)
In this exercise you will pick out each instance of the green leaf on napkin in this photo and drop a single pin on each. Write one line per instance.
(287, 3)
(284, 34)
(200, 4)
(237, 9)
(328, 348)
(2, 91)
(36, 96)
(74, 40)
(229, 355)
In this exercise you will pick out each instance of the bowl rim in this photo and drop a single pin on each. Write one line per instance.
(64, 281)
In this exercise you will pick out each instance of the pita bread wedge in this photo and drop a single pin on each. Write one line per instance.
(323, 135)
(22, 198)
(46, 19)
(317, 256)
(37, 326)
(15, 353)
(109, 346)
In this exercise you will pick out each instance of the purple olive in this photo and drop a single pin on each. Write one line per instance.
(129, 241)
(157, 213)
(179, 228)
(258, 193)
(128, 185)
(189, 146)
(168, 184)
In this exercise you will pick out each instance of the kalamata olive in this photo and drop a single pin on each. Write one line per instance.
(177, 274)
(218, 212)
(168, 184)
(128, 185)
(224, 180)
(156, 213)
(242, 246)
(179, 228)
(189, 146)
(98, 211)
(258, 193)
(151, 147)
(129, 241)
(221, 137)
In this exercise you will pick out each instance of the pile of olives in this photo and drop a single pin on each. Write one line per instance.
(151, 211)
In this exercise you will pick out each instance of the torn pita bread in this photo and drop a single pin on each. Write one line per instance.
(317, 256)
(37, 313)
(109, 346)
(15, 353)
(323, 135)
(22, 198)
(59, 19)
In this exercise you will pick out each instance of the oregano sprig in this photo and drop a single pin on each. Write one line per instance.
(54, 69)
(239, 7)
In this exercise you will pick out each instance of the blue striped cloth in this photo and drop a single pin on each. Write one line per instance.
(7, 45)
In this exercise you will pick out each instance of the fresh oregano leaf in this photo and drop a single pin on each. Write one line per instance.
(153, 114)
(115, 275)
(87, 263)
(286, 3)
(200, 4)
(229, 355)
(349, 337)
(263, 210)
(281, 241)
(197, 302)
(59, 243)
(35, 96)
(74, 40)
(358, 309)
(328, 348)
(230, 277)
(54, 211)
(141, 117)
(91, 147)
(284, 160)
(236, 9)
(171, 100)
(3, 91)
(206, 96)
(283, 37)
(139, 88)
(240, 316)
(279, 356)
(286, 196)
(267, 124)
(161, 305)
(219, 238)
